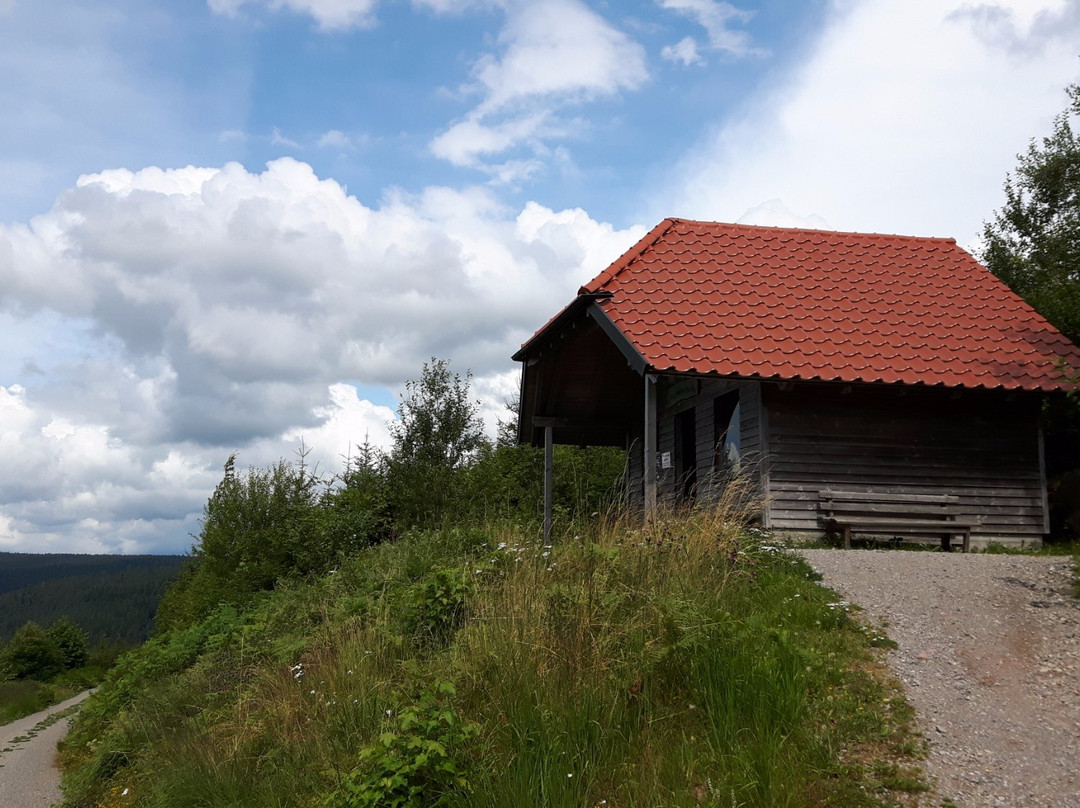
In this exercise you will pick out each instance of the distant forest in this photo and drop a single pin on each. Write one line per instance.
(110, 597)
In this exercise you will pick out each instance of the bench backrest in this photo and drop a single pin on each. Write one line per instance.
(859, 503)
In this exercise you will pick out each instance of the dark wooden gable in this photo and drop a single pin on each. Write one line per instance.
(579, 382)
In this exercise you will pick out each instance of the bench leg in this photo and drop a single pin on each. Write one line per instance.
(847, 537)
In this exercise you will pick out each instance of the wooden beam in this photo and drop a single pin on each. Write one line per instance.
(650, 444)
(549, 481)
(1042, 484)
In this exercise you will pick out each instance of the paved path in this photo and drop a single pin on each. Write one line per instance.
(28, 775)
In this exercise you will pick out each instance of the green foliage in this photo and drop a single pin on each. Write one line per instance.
(669, 664)
(271, 525)
(438, 435)
(413, 764)
(1033, 245)
(436, 606)
(1033, 242)
(25, 697)
(31, 654)
(71, 641)
(111, 598)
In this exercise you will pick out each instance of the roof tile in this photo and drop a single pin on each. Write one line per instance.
(740, 300)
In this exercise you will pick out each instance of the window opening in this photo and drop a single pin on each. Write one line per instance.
(727, 431)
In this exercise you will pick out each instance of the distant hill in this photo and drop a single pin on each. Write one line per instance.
(109, 596)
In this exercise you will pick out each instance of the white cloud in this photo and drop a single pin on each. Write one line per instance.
(459, 6)
(715, 17)
(554, 53)
(279, 139)
(335, 139)
(330, 15)
(774, 213)
(904, 118)
(226, 310)
(558, 48)
(685, 52)
(346, 421)
(465, 142)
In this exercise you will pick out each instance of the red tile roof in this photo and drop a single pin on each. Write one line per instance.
(782, 303)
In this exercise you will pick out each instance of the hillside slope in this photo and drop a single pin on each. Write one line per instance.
(682, 664)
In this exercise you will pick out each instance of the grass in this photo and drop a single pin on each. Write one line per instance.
(22, 698)
(685, 662)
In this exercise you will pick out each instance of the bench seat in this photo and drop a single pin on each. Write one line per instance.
(882, 513)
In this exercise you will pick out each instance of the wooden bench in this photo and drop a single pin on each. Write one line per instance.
(889, 514)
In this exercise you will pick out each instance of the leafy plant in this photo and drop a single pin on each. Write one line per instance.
(437, 605)
(413, 764)
(31, 654)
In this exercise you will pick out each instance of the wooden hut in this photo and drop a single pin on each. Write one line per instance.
(891, 368)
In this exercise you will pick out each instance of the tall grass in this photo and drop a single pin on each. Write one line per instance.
(681, 662)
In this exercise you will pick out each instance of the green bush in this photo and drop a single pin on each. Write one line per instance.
(72, 642)
(436, 605)
(31, 654)
(415, 763)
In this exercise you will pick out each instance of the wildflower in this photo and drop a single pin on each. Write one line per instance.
(571, 774)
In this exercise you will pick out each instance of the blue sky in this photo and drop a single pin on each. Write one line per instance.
(235, 224)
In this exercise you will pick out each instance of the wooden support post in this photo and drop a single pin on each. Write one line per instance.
(650, 444)
(549, 481)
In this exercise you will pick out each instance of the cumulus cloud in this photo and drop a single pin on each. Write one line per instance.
(905, 118)
(229, 310)
(330, 15)
(716, 18)
(553, 54)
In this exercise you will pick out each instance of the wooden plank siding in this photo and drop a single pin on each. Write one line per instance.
(680, 394)
(983, 448)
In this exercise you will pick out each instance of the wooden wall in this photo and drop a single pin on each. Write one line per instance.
(983, 446)
(678, 395)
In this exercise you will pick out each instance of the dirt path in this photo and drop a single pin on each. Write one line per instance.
(989, 653)
(28, 775)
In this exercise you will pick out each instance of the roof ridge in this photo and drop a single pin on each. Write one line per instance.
(624, 260)
(675, 220)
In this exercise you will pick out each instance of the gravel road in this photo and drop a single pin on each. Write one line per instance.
(989, 654)
(28, 775)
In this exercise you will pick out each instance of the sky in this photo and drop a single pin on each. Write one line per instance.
(239, 225)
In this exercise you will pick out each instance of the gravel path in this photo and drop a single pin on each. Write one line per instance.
(989, 653)
(28, 775)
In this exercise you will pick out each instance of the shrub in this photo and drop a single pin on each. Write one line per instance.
(31, 654)
(414, 763)
(72, 642)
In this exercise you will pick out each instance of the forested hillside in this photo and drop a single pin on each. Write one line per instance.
(109, 597)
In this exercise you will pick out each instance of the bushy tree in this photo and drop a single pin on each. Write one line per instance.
(1033, 241)
(438, 435)
(359, 510)
(1033, 245)
(31, 654)
(71, 640)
